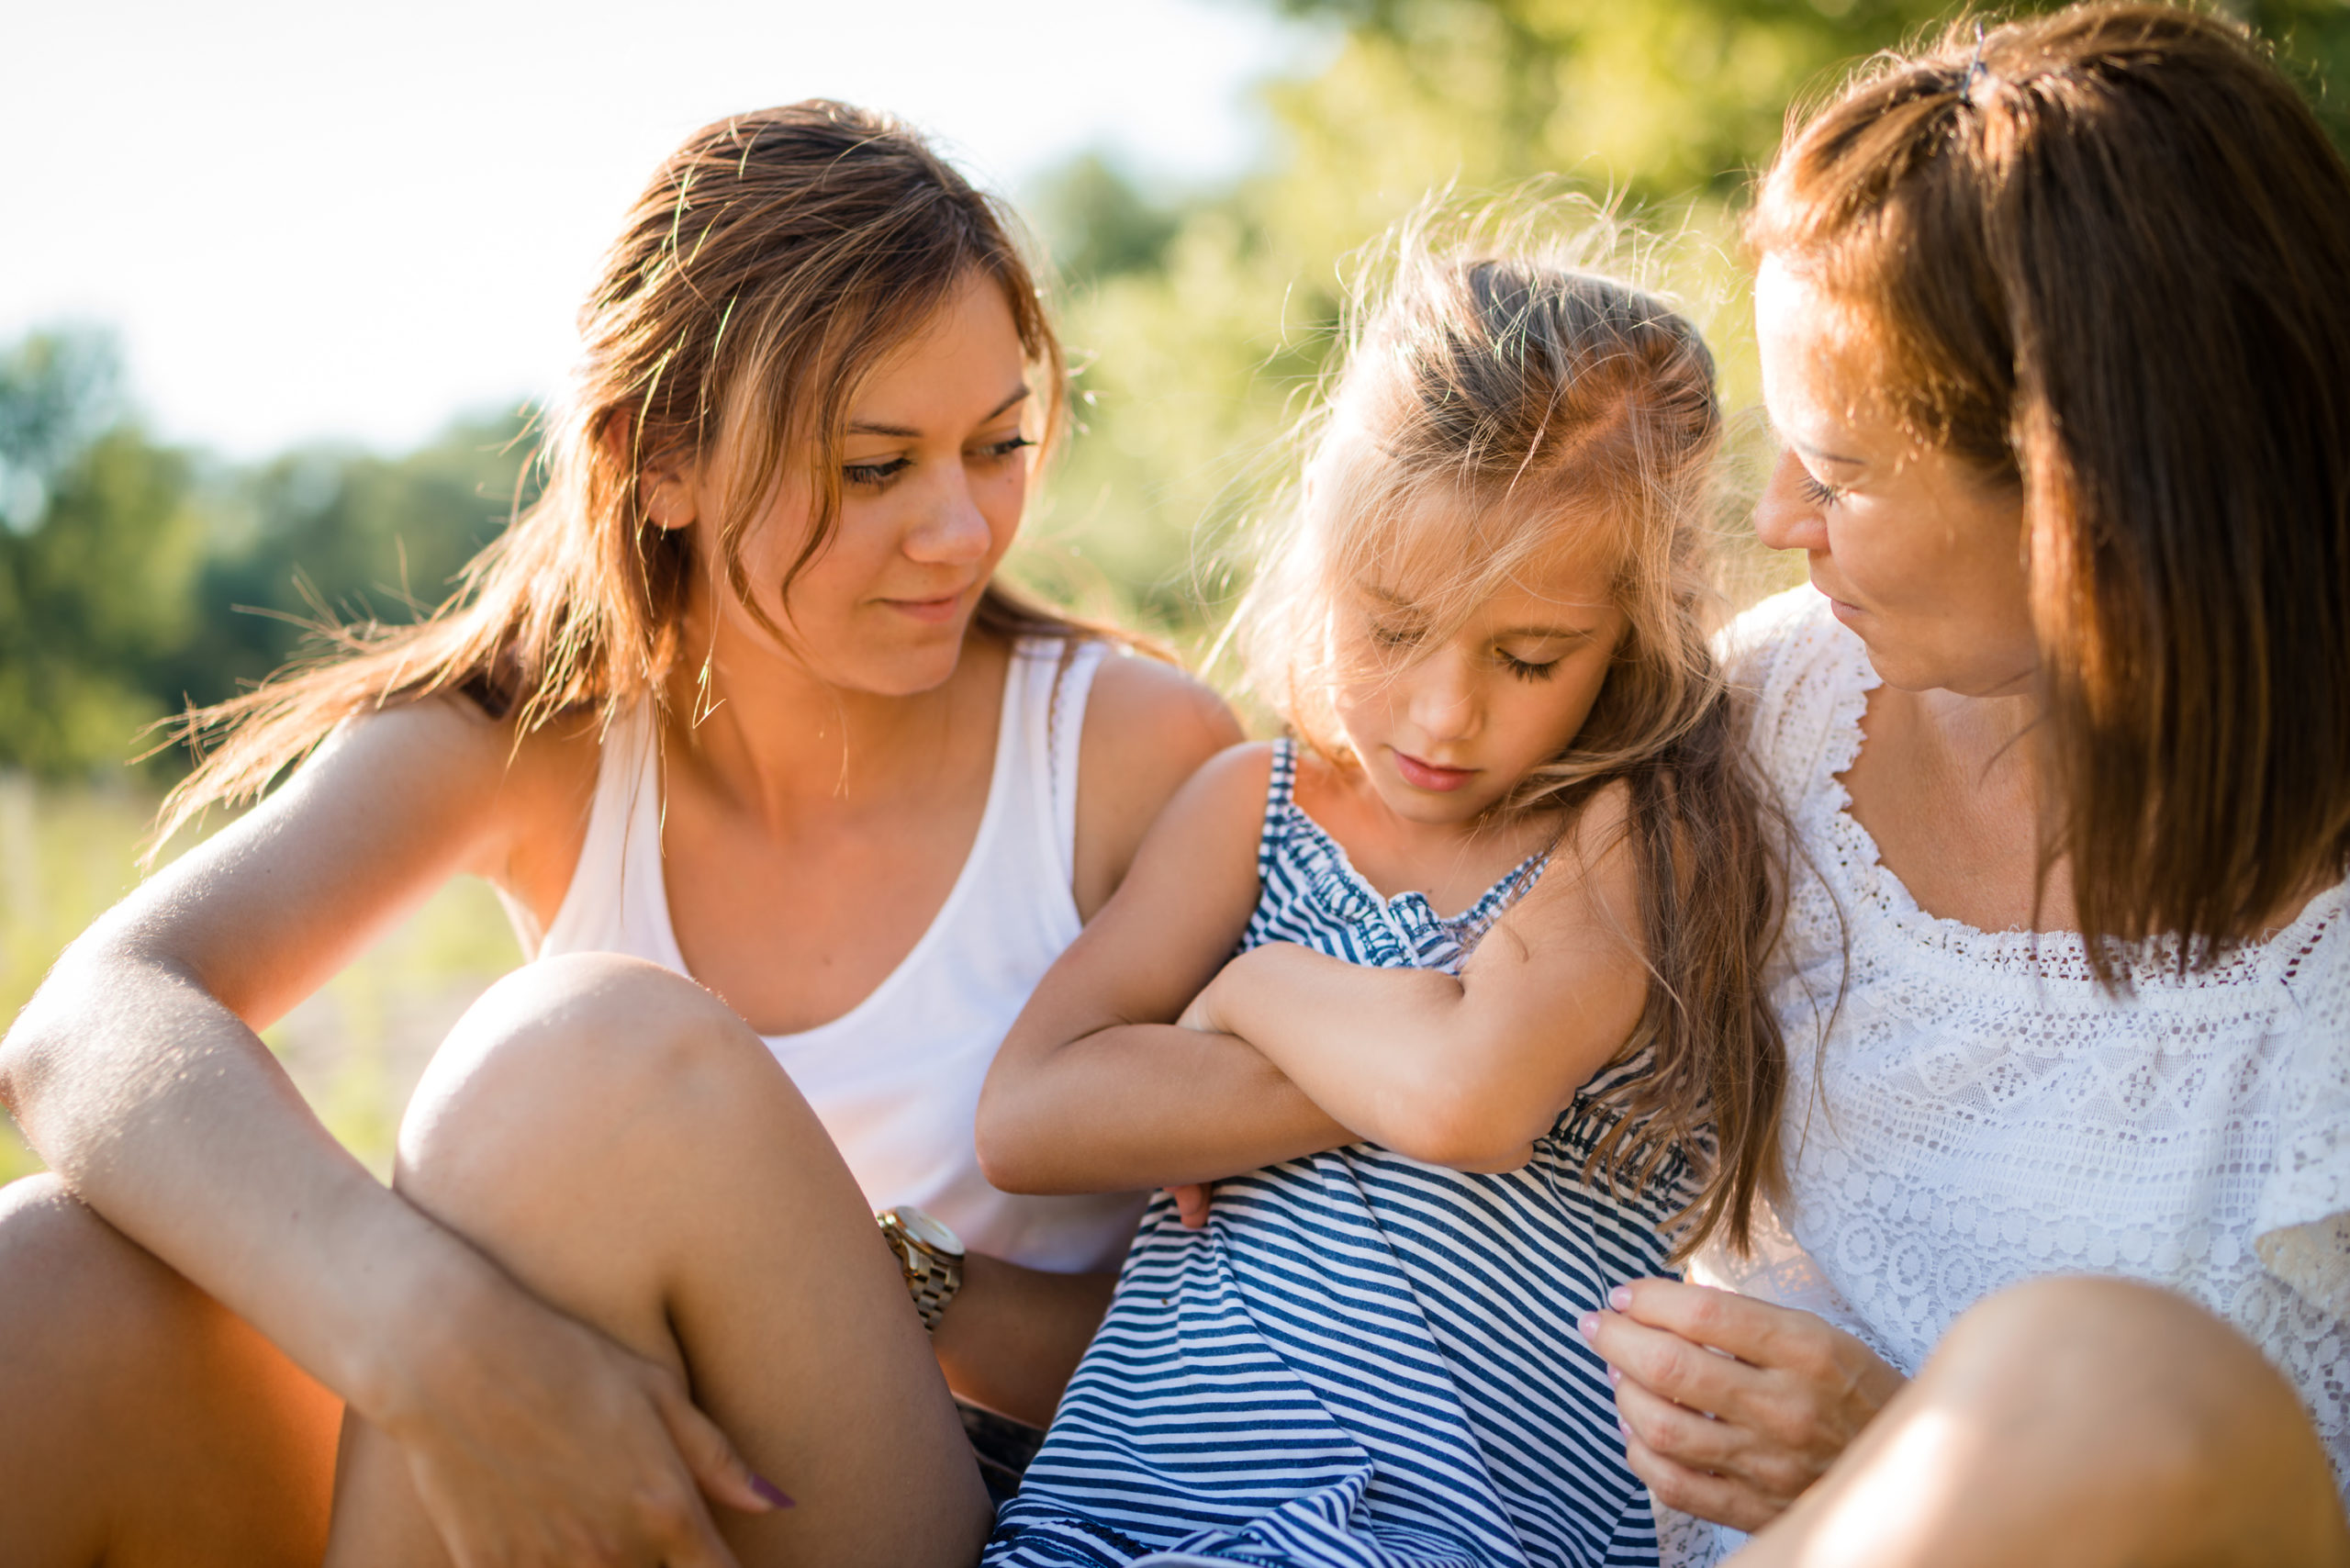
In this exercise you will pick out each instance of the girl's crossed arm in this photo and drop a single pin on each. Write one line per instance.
(1462, 1072)
(1095, 1089)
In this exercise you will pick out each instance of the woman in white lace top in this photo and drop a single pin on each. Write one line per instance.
(2053, 326)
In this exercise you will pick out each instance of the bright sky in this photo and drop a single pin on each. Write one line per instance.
(354, 220)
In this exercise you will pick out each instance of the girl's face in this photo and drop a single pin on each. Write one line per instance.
(934, 477)
(1446, 729)
(1919, 554)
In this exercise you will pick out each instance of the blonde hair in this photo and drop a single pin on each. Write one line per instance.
(1491, 407)
(773, 263)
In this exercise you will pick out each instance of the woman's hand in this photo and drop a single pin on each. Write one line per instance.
(1731, 1406)
(532, 1438)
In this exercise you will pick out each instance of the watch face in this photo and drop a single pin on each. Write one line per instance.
(928, 1231)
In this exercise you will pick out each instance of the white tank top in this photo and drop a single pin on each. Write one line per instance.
(896, 1079)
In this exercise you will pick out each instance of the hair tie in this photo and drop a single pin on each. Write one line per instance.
(1976, 70)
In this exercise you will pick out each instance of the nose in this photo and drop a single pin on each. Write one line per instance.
(1786, 519)
(951, 530)
(1441, 702)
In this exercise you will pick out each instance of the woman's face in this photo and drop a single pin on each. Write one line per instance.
(934, 476)
(1918, 553)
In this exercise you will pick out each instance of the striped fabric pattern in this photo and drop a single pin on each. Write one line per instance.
(1363, 1361)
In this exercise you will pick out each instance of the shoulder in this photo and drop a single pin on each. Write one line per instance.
(1769, 641)
(1149, 727)
(1796, 674)
(1144, 706)
(522, 797)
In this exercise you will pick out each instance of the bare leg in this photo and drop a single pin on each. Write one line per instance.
(141, 1422)
(630, 1151)
(2086, 1422)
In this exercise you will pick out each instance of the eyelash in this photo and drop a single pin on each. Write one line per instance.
(1524, 671)
(876, 475)
(1817, 494)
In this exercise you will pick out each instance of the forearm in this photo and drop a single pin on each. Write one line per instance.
(1012, 1336)
(1142, 1105)
(1395, 1054)
(168, 1115)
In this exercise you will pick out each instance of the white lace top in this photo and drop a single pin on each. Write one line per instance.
(1980, 1110)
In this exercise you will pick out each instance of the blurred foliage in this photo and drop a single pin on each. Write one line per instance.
(1659, 109)
(135, 578)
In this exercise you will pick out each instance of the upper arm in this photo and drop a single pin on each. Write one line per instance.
(1560, 982)
(392, 805)
(1172, 921)
(1149, 727)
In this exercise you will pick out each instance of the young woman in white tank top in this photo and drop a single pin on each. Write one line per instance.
(739, 702)
(896, 1079)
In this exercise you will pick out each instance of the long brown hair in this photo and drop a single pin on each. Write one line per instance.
(1543, 403)
(2105, 254)
(773, 262)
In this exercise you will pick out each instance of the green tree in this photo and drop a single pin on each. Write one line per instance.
(97, 560)
(329, 534)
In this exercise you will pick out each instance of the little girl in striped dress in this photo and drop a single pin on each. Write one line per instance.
(1462, 1129)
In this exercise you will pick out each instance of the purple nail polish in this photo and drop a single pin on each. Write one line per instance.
(1588, 1326)
(1620, 1298)
(769, 1491)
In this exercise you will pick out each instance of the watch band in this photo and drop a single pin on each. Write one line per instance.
(931, 1275)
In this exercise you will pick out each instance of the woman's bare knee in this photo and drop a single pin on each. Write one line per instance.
(575, 1058)
(2084, 1421)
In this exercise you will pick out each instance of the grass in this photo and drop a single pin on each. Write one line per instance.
(355, 1048)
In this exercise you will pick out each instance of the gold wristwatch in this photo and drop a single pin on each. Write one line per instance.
(930, 1254)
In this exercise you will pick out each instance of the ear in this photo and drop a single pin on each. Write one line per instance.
(665, 488)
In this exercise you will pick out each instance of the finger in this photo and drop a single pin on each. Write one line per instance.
(1750, 1329)
(711, 1458)
(1191, 1204)
(1669, 1365)
(1678, 1433)
(1694, 1492)
(682, 1530)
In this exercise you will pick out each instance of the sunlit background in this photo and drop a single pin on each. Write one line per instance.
(279, 282)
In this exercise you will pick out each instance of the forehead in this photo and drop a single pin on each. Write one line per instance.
(1498, 563)
(1824, 373)
(971, 341)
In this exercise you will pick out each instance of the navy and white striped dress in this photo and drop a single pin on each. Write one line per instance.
(1363, 1359)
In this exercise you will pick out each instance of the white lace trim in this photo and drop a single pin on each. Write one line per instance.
(1982, 1111)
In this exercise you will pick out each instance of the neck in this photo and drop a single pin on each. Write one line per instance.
(775, 739)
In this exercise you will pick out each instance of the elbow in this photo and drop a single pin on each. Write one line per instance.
(1008, 1149)
(1454, 1121)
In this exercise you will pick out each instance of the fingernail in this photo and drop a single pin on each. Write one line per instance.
(1614, 1377)
(769, 1492)
(1588, 1326)
(1620, 1298)
(1624, 1431)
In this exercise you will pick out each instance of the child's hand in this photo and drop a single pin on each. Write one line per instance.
(1191, 1204)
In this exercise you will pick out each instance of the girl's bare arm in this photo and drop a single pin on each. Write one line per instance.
(1463, 1071)
(1096, 1089)
(137, 1073)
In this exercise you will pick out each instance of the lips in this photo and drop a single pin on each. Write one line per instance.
(929, 611)
(1428, 775)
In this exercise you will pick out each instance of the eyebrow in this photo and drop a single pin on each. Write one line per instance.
(1819, 455)
(904, 433)
(1564, 634)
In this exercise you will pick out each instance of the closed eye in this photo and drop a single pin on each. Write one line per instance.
(875, 476)
(1817, 494)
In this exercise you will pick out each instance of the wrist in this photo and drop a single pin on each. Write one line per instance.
(426, 1304)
